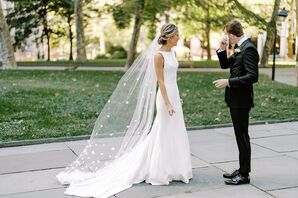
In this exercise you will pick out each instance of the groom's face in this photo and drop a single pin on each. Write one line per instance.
(232, 38)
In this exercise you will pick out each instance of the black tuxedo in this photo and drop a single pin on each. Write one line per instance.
(244, 72)
(243, 66)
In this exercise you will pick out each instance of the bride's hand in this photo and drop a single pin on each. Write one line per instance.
(170, 109)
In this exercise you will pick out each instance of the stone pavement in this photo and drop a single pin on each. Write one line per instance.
(29, 171)
(283, 75)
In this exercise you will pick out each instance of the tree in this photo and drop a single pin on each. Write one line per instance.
(296, 42)
(260, 21)
(251, 17)
(139, 8)
(65, 8)
(270, 35)
(31, 17)
(6, 48)
(291, 30)
(207, 32)
(202, 16)
(81, 50)
(144, 11)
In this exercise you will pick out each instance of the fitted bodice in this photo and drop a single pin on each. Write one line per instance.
(170, 67)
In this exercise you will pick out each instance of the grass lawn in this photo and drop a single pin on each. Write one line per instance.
(100, 62)
(41, 104)
(121, 63)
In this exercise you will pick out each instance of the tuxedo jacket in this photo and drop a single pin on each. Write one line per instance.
(243, 66)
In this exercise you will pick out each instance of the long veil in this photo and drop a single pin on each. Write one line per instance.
(127, 117)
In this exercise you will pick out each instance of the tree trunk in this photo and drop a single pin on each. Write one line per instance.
(152, 30)
(81, 51)
(6, 48)
(202, 46)
(167, 18)
(37, 49)
(49, 48)
(270, 35)
(291, 32)
(70, 37)
(207, 32)
(296, 43)
(42, 48)
(136, 32)
(47, 34)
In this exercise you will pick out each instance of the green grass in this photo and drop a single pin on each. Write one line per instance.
(121, 63)
(39, 104)
(204, 105)
(101, 62)
(199, 64)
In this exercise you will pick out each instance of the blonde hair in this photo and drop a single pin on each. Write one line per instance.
(167, 30)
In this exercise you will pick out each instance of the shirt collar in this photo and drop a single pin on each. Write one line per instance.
(242, 40)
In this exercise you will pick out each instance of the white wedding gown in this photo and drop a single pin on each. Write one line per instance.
(163, 156)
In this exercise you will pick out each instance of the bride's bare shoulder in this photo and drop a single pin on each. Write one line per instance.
(158, 56)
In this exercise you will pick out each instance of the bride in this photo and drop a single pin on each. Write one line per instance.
(140, 151)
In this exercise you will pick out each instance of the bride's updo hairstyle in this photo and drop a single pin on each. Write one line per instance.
(166, 32)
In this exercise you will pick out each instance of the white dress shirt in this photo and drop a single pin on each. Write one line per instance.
(242, 40)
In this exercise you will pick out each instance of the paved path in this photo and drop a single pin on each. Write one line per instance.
(29, 171)
(283, 75)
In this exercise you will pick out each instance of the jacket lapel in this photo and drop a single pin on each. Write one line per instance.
(243, 44)
(240, 47)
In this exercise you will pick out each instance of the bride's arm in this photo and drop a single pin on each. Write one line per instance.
(159, 64)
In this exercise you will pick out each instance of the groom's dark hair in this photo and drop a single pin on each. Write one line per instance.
(234, 27)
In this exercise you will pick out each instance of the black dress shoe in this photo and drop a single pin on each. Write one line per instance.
(238, 180)
(231, 175)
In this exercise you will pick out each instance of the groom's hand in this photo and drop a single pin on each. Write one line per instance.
(224, 42)
(221, 83)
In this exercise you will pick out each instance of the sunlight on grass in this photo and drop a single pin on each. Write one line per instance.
(41, 104)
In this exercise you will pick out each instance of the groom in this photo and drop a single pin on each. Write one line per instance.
(243, 66)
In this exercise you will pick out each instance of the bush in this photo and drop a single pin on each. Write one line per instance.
(119, 54)
(116, 51)
(101, 56)
(113, 52)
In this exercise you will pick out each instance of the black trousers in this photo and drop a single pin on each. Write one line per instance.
(240, 118)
